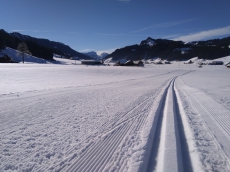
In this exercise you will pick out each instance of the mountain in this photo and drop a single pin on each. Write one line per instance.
(57, 47)
(149, 42)
(94, 55)
(173, 50)
(146, 49)
(7, 40)
(103, 55)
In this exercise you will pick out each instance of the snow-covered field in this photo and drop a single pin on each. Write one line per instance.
(88, 118)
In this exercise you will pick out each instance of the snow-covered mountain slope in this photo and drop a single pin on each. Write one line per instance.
(103, 55)
(90, 118)
(16, 56)
(196, 60)
(92, 54)
(149, 41)
(226, 59)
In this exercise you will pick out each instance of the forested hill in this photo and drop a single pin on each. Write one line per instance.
(42, 48)
(36, 49)
(173, 50)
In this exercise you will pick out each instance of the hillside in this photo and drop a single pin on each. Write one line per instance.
(173, 50)
(6, 40)
(42, 48)
(57, 47)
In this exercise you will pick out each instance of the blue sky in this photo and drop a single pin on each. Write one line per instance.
(104, 25)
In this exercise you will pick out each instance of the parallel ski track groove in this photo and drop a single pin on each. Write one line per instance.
(181, 139)
(151, 165)
(186, 159)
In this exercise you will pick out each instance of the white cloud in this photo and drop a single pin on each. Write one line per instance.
(164, 25)
(204, 34)
(171, 36)
(19, 30)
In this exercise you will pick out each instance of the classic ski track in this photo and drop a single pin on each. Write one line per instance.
(130, 120)
(183, 161)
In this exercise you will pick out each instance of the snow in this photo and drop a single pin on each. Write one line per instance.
(15, 55)
(150, 42)
(105, 118)
(157, 61)
(226, 59)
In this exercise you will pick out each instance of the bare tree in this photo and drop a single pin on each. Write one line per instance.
(22, 47)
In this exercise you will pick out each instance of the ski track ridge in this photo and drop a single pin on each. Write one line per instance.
(170, 138)
(99, 154)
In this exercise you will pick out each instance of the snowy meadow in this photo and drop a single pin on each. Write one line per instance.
(107, 118)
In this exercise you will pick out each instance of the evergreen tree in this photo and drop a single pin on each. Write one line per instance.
(23, 49)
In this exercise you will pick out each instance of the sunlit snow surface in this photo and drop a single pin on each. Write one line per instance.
(105, 118)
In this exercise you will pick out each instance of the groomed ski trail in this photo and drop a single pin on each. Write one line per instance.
(168, 146)
(170, 150)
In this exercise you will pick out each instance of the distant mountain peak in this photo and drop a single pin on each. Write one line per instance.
(149, 38)
(94, 55)
(149, 41)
